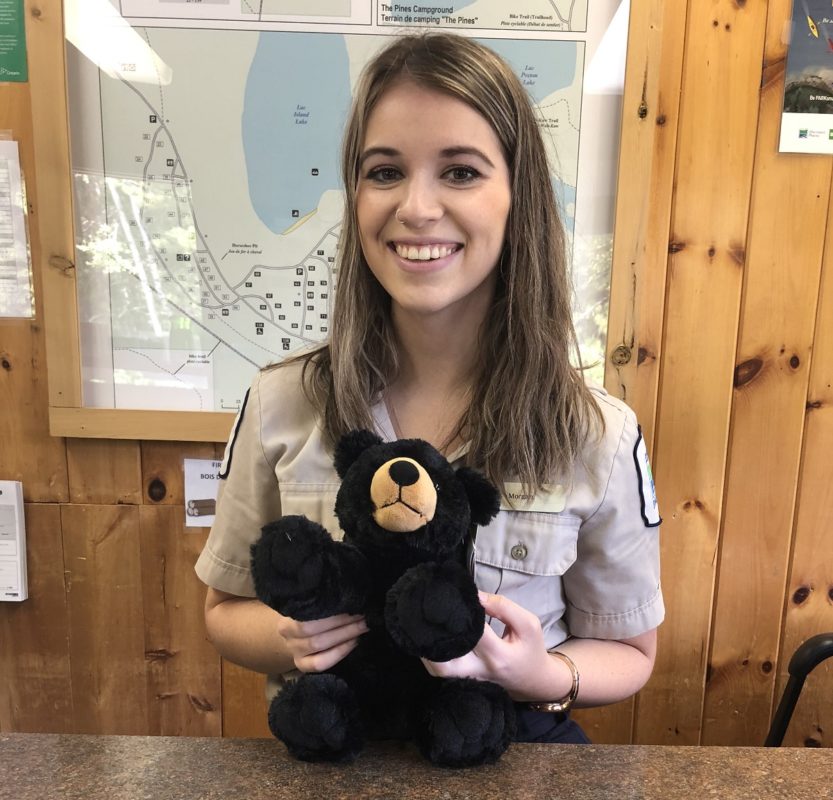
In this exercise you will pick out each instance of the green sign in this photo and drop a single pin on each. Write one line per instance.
(12, 42)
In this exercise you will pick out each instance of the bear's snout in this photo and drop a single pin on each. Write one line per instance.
(403, 473)
(403, 495)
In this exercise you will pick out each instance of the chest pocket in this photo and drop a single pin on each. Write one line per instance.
(522, 555)
(314, 501)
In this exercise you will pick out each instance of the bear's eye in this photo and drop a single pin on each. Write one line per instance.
(437, 486)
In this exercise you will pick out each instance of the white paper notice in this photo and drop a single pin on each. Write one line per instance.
(202, 479)
(15, 275)
(13, 577)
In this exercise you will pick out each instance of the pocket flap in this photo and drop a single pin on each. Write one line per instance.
(529, 542)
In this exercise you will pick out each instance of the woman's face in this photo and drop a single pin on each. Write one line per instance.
(432, 202)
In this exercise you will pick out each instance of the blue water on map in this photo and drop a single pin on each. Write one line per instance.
(296, 101)
(548, 66)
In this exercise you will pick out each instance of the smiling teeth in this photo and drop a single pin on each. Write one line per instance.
(424, 253)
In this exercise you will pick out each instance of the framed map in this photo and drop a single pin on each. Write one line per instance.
(204, 144)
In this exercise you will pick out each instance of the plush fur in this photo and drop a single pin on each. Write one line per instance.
(406, 514)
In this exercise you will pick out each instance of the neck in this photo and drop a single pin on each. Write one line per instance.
(439, 356)
(432, 392)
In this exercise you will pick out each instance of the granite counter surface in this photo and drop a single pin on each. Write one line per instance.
(39, 766)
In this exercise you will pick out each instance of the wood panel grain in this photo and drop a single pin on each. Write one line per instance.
(28, 453)
(643, 211)
(715, 155)
(809, 596)
(183, 669)
(106, 620)
(35, 677)
(244, 703)
(783, 267)
(104, 472)
(163, 472)
(52, 215)
(640, 252)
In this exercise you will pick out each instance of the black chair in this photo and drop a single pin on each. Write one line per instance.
(805, 659)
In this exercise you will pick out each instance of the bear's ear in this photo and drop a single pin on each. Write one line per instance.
(350, 447)
(484, 499)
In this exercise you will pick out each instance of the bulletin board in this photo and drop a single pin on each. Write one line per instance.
(190, 203)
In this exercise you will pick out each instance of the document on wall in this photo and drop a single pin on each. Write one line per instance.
(202, 480)
(16, 298)
(13, 578)
(807, 121)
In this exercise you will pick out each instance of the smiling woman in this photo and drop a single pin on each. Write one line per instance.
(452, 324)
(432, 209)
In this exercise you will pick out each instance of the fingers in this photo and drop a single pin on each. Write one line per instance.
(516, 618)
(319, 644)
(318, 662)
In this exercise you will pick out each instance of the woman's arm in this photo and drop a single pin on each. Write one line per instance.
(251, 634)
(610, 670)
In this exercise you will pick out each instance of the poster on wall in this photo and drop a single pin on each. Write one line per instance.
(205, 142)
(807, 120)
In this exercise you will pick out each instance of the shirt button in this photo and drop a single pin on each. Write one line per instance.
(518, 552)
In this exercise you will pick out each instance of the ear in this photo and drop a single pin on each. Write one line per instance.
(350, 447)
(484, 499)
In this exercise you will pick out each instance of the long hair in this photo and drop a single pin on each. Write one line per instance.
(530, 411)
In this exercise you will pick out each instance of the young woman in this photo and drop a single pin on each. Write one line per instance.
(452, 324)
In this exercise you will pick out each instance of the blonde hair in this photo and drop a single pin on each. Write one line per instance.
(530, 411)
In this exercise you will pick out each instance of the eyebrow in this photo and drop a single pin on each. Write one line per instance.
(448, 152)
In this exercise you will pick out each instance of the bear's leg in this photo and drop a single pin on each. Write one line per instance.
(467, 723)
(317, 717)
(433, 611)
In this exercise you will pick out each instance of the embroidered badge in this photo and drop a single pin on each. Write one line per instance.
(647, 490)
(226, 465)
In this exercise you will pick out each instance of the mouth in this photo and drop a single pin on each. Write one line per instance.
(424, 252)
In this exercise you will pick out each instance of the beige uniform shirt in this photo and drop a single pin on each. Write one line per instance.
(584, 557)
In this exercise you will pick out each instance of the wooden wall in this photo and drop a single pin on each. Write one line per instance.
(723, 303)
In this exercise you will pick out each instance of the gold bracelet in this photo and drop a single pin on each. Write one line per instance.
(564, 704)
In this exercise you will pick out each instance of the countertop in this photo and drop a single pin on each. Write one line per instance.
(39, 766)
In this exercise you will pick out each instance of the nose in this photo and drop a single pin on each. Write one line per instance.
(403, 473)
(420, 203)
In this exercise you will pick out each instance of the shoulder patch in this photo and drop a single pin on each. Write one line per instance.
(647, 491)
(226, 465)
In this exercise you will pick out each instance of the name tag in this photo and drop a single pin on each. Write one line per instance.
(549, 499)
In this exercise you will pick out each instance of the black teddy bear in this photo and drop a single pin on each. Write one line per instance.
(405, 513)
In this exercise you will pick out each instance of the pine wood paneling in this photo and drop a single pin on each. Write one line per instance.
(163, 473)
(651, 105)
(53, 209)
(244, 703)
(809, 596)
(715, 155)
(104, 473)
(643, 215)
(783, 267)
(27, 454)
(183, 669)
(106, 621)
(35, 680)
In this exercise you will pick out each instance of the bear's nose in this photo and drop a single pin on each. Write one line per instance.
(403, 473)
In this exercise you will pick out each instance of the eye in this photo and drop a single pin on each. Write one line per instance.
(462, 174)
(437, 486)
(383, 174)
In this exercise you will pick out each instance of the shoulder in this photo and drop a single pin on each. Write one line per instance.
(618, 418)
(278, 416)
(279, 391)
(610, 444)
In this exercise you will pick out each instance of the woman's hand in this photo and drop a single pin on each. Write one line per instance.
(317, 645)
(519, 661)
